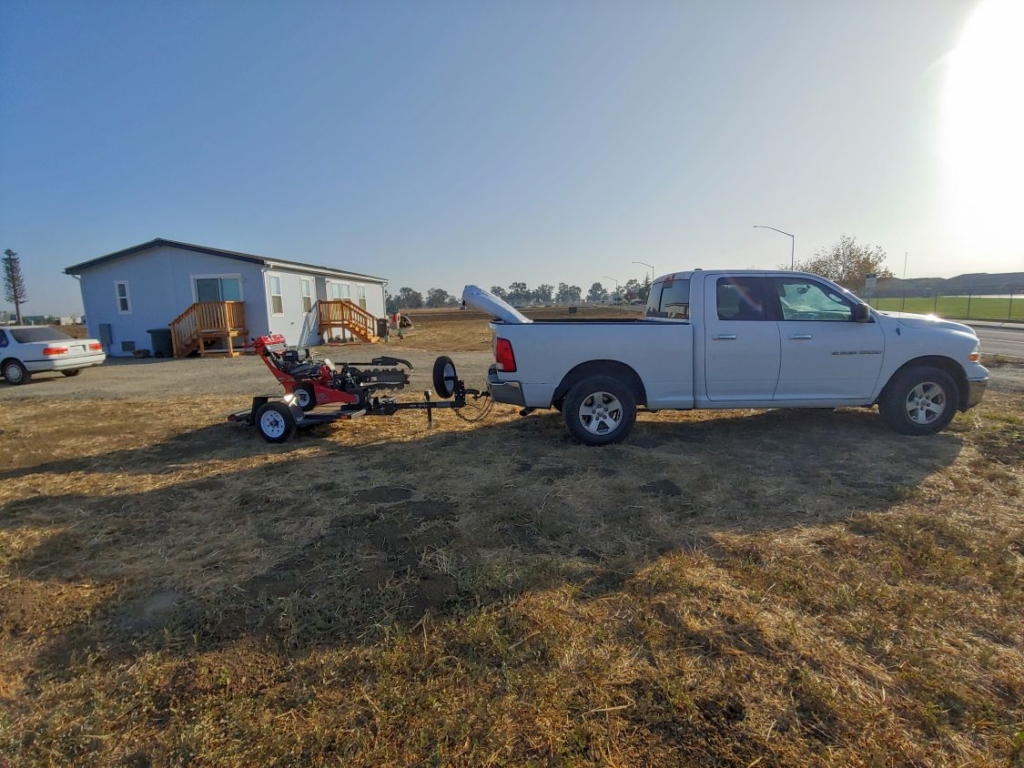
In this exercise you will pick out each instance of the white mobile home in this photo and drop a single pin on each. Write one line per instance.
(212, 300)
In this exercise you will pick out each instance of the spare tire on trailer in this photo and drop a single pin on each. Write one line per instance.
(445, 378)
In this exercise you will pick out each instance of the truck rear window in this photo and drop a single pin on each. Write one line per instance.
(669, 298)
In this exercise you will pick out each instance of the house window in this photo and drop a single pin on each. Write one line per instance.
(276, 297)
(124, 303)
(217, 288)
(361, 295)
(341, 291)
(307, 295)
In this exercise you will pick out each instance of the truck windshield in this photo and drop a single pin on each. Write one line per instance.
(669, 298)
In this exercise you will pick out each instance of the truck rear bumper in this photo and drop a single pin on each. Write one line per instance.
(504, 391)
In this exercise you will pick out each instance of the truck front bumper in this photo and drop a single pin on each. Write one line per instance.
(504, 391)
(975, 391)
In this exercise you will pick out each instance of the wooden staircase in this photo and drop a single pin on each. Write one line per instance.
(205, 323)
(346, 315)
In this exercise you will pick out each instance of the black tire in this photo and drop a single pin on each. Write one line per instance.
(14, 372)
(445, 378)
(305, 397)
(72, 372)
(275, 422)
(599, 410)
(919, 401)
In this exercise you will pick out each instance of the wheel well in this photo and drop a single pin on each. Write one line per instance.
(613, 368)
(4, 361)
(954, 369)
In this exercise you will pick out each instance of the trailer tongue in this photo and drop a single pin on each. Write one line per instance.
(349, 390)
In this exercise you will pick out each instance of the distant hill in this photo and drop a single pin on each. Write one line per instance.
(976, 283)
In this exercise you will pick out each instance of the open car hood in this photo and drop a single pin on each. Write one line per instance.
(492, 306)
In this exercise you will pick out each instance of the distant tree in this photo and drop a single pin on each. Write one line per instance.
(568, 294)
(543, 293)
(631, 290)
(500, 292)
(645, 289)
(518, 293)
(597, 293)
(14, 282)
(409, 299)
(847, 263)
(438, 297)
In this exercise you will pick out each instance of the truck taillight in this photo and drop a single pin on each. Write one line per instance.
(55, 350)
(504, 356)
(96, 347)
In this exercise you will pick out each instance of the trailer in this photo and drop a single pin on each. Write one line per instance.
(318, 391)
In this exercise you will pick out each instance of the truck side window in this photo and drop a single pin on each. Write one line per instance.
(740, 298)
(802, 299)
(669, 298)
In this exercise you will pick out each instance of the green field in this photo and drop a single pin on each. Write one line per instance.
(959, 307)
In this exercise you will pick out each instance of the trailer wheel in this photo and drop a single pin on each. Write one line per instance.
(304, 397)
(275, 422)
(599, 410)
(445, 378)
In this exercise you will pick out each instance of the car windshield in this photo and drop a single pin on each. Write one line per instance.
(40, 333)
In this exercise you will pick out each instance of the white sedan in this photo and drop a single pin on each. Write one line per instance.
(28, 349)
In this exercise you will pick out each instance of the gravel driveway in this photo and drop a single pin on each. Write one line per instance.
(120, 379)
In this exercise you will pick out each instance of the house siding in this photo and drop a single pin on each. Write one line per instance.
(160, 287)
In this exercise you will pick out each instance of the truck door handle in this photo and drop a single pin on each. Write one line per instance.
(725, 337)
(801, 336)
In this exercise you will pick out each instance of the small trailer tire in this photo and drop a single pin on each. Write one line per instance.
(275, 422)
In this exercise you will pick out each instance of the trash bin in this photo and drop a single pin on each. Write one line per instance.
(162, 344)
(382, 327)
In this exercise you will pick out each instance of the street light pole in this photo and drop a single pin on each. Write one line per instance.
(792, 245)
(613, 280)
(649, 266)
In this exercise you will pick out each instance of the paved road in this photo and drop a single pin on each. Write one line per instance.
(1002, 341)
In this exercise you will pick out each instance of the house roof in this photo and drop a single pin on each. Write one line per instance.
(237, 256)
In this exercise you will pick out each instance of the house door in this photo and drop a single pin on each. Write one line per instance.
(321, 289)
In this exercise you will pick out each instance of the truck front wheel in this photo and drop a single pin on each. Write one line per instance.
(919, 401)
(599, 410)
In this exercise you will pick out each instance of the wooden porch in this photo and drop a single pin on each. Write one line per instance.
(200, 327)
(347, 315)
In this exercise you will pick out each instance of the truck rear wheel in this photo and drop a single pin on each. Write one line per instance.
(919, 401)
(599, 410)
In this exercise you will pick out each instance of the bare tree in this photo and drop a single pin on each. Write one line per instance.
(14, 282)
(847, 263)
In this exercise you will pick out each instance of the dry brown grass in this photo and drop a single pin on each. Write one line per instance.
(785, 588)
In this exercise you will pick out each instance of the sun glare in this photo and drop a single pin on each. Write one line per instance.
(983, 128)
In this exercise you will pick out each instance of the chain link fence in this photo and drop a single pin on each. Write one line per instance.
(999, 303)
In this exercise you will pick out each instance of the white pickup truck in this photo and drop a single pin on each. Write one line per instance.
(734, 339)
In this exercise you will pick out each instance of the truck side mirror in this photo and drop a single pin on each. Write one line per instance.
(861, 313)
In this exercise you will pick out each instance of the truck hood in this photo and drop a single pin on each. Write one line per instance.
(492, 306)
(910, 320)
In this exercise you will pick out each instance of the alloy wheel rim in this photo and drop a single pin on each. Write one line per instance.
(926, 402)
(600, 413)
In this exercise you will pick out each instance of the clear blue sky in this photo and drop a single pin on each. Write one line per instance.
(443, 143)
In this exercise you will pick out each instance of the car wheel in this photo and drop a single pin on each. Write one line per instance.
(72, 372)
(444, 378)
(919, 401)
(304, 397)
(14, 372)
(275, 422)
(599, 410)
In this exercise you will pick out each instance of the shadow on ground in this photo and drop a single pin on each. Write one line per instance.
(342, 545)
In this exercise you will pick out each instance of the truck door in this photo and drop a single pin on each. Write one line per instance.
(741, 348)
(825, 354)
